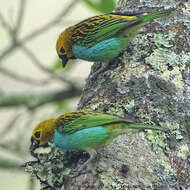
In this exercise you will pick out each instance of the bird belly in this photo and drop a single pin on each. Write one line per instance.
(85, 139)
(102, 51)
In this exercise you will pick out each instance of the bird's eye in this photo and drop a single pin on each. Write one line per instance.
(37, 134)
(62, 50)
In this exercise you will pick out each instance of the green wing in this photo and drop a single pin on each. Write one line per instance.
(96, 29)
(74, 121)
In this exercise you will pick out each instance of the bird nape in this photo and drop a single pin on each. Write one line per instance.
(83, 130)
(102, 38)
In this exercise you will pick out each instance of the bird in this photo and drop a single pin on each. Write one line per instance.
(101, 38)
(83, 130)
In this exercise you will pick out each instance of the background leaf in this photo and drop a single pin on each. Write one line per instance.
(58, 65)
(102, 6)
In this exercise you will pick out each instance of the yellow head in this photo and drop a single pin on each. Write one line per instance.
(44, 131)
(64, 46)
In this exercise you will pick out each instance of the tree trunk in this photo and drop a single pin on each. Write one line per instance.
(152, 85)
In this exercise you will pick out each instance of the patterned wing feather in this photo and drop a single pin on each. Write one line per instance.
(74, 121)
(98, 28)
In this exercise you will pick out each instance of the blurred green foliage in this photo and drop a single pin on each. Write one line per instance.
(103, 6)
(7, 164)
(62, 105)
(58, 65)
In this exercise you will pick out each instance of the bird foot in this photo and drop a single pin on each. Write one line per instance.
(76, 173)
(94, 75)
(108, 66)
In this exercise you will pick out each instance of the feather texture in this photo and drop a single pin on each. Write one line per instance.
(99, 28)
(92, 38)
(84, 122)
(83, 130)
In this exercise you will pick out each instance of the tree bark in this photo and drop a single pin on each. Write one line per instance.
(152, 85)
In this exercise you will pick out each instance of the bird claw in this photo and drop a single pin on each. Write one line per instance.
(111, 65)
(74, 173)
(94, 76)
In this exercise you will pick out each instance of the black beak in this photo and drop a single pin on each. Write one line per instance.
(64, 60)
(34, 144)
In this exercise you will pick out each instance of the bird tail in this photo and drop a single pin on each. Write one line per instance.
(141, 126)
(152, 16)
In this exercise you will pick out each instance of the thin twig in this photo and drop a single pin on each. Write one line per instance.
(45, 69)
(23, 79)
(35, 59)
(9, 126)
(11, 146)
(18, 43)
(33, 100)
(53, 22)
(7, 51)
(20, 17)
(57, 19)
(6, 25)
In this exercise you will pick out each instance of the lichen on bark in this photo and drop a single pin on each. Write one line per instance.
(152, 85)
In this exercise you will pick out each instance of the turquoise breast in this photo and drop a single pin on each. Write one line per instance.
(102, 51)
(85, 139)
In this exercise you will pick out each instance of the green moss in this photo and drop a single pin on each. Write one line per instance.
(183, 152)
(163, 40)
(167, 168)
(118, 183)
(98, 106)
(178, 135)
(167, 62)
(106, 180)
(174, 75)
(134, 60)
(50, 167)
(118, 110)
(169, 125)
(112, 181)
(130, 105)
(156, 139)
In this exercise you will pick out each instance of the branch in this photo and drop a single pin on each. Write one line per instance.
(37, 32)
(6, 25)
(34, 100)
(37, 63)
(10, 125)
(57, 19)
(20, 17)
(23, 79)
(9, 164)
(45, 69)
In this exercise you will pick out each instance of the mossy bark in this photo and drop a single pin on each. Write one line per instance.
(151, 85)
